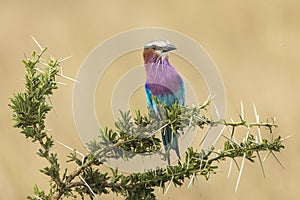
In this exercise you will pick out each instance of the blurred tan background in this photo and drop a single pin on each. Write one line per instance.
(254, 44)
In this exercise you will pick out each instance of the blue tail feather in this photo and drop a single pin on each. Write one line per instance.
(170, 141)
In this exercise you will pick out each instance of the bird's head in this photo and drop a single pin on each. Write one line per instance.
(157, 50)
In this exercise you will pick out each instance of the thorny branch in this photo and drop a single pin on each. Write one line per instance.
(134, 134)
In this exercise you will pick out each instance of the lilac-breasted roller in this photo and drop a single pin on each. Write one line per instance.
(163, 82)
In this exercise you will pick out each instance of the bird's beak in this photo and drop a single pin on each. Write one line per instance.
(169, 47)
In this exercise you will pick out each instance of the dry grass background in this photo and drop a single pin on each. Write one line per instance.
(254, 44)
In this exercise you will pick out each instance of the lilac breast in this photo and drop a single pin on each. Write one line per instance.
(163, 79)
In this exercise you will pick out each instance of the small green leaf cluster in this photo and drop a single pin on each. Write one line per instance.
(30, 109)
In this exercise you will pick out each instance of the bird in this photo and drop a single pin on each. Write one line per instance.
(163, 83)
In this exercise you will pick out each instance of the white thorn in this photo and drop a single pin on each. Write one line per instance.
(72, 149)
(188, 162)
(255, 113)
(211, 96)
(240, 174)
(259, 134)
(88, 187)
(191, 181)
(261, 164)
(201, 161)
(232, 140)
(219, 135)
(205, 136)
(230, 168)
(39, 70)
(201, 119)
(160, 184)
(247, 135)
(60, 83)
(43, 63)
(266, 156)
(156, 131)
(61, 70)
(216, 111)
(38, 197)
(257, 121)
(169, 185)
(64, 59)
(37, 43)
(277, 159)
(285, 138)
(242, 110)
(66, 77)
